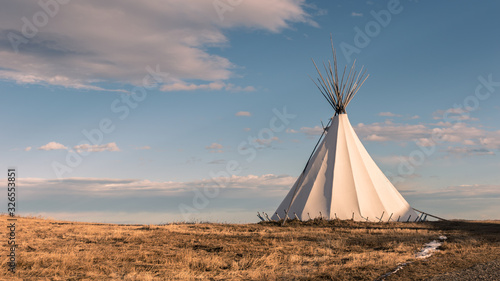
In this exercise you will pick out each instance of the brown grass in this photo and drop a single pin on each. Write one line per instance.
(335, 250)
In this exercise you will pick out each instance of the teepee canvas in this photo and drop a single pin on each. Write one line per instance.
(341, 180)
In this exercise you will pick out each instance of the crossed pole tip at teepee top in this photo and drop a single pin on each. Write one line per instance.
(339, 92)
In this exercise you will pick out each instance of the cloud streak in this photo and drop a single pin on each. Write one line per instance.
(388, 114)
(243, 113)
(96, 148)
(181, 86)
(215, 148)
(104, 187)
(125, 197)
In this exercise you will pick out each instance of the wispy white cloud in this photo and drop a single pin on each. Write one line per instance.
(388, 114)
(267, 142)
(458, 139)
(52, 146)
(462, 151)
(389, 131)
(469, 142)
(110, 187)
(425, 142)
(146, 147)
(453, 115)
(27, 148)
(122, 195)
(317, 130)
(191, 87)
(354, 14)
(215, 148)
(430, 134)
(492, 141)
(43, 79)
(96, 148)
(465, 191)
(376, 138)
(233, 88)
(181, 86)
(243, 113)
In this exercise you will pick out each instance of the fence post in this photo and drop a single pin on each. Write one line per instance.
(379, 220)
(390, 217)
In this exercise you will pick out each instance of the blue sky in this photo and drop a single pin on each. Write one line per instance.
(189, 93)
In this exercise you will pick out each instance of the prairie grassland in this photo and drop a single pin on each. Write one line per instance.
(319, 250)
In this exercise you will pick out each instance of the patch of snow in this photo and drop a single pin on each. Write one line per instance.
(400, 266)
(430, 248)
(426, 252)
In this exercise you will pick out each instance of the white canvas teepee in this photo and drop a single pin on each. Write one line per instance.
(340, 179)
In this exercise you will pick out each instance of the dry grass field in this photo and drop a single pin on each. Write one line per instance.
(320, 250)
